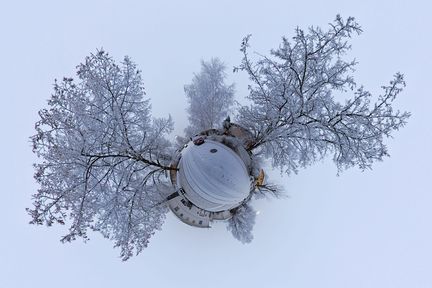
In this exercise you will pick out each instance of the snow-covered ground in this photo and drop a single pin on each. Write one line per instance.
(369, 229)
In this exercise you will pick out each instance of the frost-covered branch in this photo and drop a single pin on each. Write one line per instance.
(102, 154)
(241, 224)
(294, 116)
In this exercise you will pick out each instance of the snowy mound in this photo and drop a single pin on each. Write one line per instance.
(213, 176)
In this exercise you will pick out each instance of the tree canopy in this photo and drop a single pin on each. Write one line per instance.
(103, 156)
(295, 117)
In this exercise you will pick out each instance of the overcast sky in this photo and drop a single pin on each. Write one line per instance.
(361, 229)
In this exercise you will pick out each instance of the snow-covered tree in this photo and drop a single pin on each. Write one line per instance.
(242, 222)
(106, 161)
(103, 155)
(294, 115)
(209, 97)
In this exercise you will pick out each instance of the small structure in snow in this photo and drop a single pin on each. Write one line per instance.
(213, 178)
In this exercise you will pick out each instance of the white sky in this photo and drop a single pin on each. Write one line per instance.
(370, 229)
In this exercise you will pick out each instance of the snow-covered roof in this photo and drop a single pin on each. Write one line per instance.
(213, 176)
